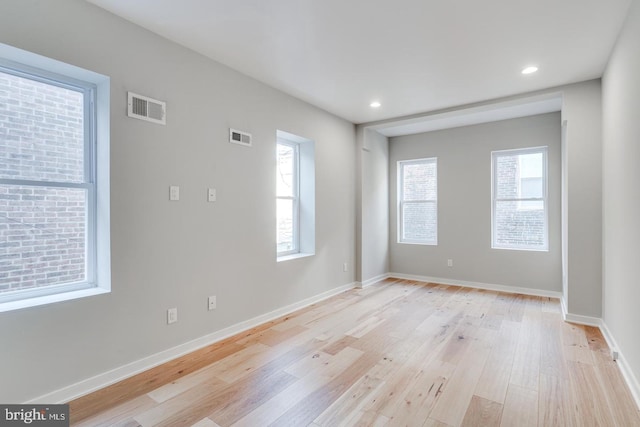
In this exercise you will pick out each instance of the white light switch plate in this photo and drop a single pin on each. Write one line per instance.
(174, 192)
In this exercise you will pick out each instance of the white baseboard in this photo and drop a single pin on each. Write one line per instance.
(578, 318)
(478, 285)
(373, 280)
(108, 378)
(627, 372)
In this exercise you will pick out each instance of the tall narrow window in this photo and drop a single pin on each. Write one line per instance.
(519, 197)
(288, 197)
(418, 201)
(49, 209)
(295, 196)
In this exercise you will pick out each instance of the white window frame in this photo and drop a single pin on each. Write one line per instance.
(95, 89)
(401, 201)
(544, 199)
(305, 226)
(295, 198)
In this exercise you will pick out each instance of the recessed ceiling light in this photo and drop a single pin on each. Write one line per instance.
(375, 104)
(529, 70)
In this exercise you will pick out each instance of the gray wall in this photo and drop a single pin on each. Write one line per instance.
(174, 254)
(464, 205)
(582, 112)
(621, 202)
(375, 202)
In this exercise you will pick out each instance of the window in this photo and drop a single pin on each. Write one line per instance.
(288, 198)
(49, 211)
(519, 193)
(418, 201)
(295, 196)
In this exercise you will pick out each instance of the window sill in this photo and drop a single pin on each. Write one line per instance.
(293, 256)
(506, 248)
(419, 243)
(49, 299)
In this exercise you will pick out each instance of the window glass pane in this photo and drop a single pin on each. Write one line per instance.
(285, 171)
(419, 221)
(531, 165)
(519, 224)
(531, 170)
(285, 234)
(41, 131)
(519, 176)
(507, 177)
(531, 204)
(531, 188)
(42, 235)
(419, 181)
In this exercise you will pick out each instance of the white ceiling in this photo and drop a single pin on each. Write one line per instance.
(412, 55)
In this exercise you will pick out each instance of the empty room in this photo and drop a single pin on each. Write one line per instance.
(319, 213)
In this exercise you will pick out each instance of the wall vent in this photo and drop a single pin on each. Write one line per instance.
(145, 108)
(239, 137)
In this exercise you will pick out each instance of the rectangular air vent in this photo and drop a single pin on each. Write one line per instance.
(239, 137)
(145, 108)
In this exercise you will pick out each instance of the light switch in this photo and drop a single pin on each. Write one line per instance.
(174, 192)
(211, 195)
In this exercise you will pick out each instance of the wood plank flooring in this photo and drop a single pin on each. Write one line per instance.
(398, 353)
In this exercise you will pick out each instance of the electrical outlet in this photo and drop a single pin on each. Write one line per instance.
(174, 192)
(172, 315)
(614, 355)
(449, 263)
(345, 267)
(213, 303)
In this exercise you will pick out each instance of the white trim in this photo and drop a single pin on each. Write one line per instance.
(578, 318)
(478, 285)
(582, 320)
(19, 304)
(627, 372)
(563, 307)
(293, 256)
(373, 280)
(108, 378)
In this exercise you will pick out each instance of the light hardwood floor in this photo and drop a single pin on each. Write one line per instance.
(396, 353)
